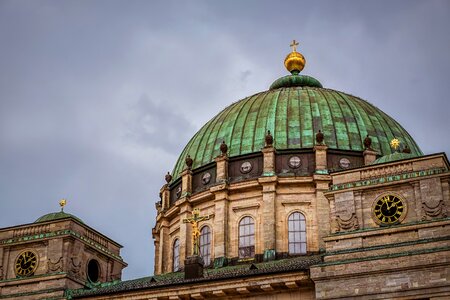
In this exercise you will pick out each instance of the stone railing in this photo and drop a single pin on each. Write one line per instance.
(96, 238)
(387, 170)
(33, 230)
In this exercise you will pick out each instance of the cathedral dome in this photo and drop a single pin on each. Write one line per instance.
(294, 109)
(56, 216)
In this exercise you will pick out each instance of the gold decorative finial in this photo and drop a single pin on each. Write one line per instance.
(294, 61)
(62, 203)
(395, 143)
(294, 45)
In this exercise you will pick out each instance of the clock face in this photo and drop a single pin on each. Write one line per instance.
(26, 263)
(389, 210)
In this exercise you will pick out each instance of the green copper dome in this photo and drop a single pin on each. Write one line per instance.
(56, 216)
(294, 110)
(393, 157)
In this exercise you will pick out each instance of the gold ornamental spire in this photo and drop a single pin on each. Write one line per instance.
(395, 143)
(294, 61)
(62, 203)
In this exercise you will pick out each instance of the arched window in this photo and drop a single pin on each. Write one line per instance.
(246, 238)
(297, 233)
(176, 255)
(205, 245)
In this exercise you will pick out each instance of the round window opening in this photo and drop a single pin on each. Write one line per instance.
(93, 271)
(294, 162)
(344, 163)
(246, 167)
(178, 192)
(206, 178)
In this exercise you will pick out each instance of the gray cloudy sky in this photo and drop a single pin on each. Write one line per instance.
(98, 98)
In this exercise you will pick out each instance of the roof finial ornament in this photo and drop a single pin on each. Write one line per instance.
(319, 137)
(294, 61)
(368, 142)
(168, 177)
(395, 144)
(189, 162)
(406, 149)
(223, 148)
(269, 139)
(294, 45)
(62, 203)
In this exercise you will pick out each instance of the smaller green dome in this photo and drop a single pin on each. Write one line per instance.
(295, 80)
(56, 216)
(393, 157)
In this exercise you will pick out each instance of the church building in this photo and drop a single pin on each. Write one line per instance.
(297, 192)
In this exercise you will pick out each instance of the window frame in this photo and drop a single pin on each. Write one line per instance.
(246, 241)
(297, 234)
(208, 245)
(176, 255)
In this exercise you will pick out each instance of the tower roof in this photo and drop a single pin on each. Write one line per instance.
(56, 216)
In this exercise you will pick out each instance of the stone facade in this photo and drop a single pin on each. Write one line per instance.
(63, 248)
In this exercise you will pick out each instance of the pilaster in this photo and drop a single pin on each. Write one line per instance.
(221, 168)
(321, 158)
(221, 239)
(186, 183)
(369, 156)
(164, 248)
(185, 232)
(269, 216)
(165, 197)
(322, 219)
(269, 161)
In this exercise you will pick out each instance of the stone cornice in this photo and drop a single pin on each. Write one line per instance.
(57, 234)
(387, 179)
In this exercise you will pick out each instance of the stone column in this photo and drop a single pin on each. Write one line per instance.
(165, 197)
(357, 196)
(369, 156)
(221, 241)
(164, 249)
(269, 161)
(322, 220)
(321, 159)
(269, 216)
(186, 183)
(418, 199)
(221, 168)
(185, 231)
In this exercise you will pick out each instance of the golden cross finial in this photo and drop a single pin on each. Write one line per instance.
(62, 203)
(395, 143)
(194, 220)
(294, 45)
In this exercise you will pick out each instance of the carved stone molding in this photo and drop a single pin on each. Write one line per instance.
(246, 207)
(74, 267)
(55, 266)
(436, 211)
(347, 224)
(1, 272)
(387, 170)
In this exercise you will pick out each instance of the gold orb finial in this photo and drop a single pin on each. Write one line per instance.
(395, 143)
(62, 203)
(294, 61)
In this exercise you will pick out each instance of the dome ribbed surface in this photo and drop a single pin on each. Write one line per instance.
(56, 216)
(294, 115)
(393, 157)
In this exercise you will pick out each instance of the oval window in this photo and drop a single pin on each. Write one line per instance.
(93, 271)
(206, 178)
(246, 167)
(344, 163)
(294, 162)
